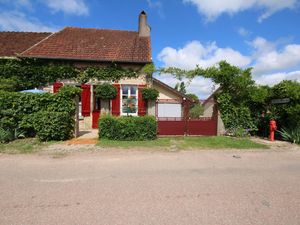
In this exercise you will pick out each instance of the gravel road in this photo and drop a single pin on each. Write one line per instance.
(151, 187)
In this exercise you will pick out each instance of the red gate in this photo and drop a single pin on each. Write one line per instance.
(178, 126)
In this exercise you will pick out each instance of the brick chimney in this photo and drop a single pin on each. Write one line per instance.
(144, 28)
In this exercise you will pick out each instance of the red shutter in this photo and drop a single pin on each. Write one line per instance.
(57, 86)
(142, 107)
(85, 100)
(115, 103)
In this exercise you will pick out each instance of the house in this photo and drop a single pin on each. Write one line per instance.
(88, 47)
(210, 110)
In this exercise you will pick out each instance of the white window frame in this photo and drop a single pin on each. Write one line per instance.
(129, 94)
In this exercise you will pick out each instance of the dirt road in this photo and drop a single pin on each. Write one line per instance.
(121, 187)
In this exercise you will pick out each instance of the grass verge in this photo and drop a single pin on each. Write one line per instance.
(185, 143)
(219, 142)
(22, 146)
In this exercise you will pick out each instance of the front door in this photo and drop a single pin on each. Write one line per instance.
(96, 112)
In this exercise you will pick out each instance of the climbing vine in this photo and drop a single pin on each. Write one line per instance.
(25, 73)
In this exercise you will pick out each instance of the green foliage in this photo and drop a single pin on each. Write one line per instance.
(127, 128)
(193, 97)
(105, 91)
(291, 135)
(69, 91)
(18, 110)
(25, 73)
(50, 126)
(288, 115)
(196, 111)
(149, 69)
(181, 87)
(6, 135)
(150, 94)
(8, 84)
(31, 73)
(110, 73)
(236, 87)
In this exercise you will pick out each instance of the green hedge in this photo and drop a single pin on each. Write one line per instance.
(37, 114)
(127, 128)
(56, 126)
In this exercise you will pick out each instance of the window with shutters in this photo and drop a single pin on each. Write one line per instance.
(129, 100)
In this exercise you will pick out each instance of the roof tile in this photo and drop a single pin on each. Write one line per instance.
(93, 44)
(13, 43)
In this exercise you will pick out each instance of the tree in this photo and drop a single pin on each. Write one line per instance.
(181, 87)
(236, 85)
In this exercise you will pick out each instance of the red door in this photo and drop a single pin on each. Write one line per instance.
(95, 118)
(85, 100)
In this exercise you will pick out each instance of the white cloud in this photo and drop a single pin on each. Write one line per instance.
(272, 62)
(16, 21)
(211, 9)
(243, 31)
(195, 53)
(77, 7)
(275, 78)
(199, 86)
(268, 57)
(158, 6)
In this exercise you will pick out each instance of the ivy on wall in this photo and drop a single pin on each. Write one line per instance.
(25, 73)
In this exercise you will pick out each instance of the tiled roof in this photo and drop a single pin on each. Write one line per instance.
(13, 43)
(93, 44)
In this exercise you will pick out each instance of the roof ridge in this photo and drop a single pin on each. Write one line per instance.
(102, 29)
(29, 32)
(52, 34)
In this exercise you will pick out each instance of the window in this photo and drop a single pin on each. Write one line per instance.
(129, 100)
(169, 110)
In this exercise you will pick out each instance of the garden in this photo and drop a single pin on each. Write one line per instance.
(246, 108)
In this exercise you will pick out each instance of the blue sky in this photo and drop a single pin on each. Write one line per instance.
(263, 34)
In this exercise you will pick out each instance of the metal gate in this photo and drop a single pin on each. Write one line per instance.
(179, 126)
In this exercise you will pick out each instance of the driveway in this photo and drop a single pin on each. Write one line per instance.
(131, 187)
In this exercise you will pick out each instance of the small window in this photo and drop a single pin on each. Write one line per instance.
(97, 104)
(129, 100)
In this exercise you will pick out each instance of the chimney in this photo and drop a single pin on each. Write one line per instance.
(144, 28)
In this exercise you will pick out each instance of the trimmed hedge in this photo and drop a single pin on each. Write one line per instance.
(56, 126)
(49, 116)
(128, 128)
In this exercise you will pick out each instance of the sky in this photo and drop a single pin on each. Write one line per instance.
(262, 34)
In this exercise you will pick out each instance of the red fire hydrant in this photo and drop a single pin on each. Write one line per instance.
(273, 128)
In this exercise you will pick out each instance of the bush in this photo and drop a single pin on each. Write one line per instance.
(50, 126)
(196, 111)
(70, 91)
(105, 91)
(18, 110)
(291, 135)
(149, 94)
(6, 135)
(128, 128)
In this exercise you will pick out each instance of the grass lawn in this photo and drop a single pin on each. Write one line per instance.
(184, 143)
(22, 146)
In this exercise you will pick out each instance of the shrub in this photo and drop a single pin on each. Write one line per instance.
(196, 111)
(70, 91)
(18, 110)
(291, 135)
(56, 126)
(6, 135)
(149, 94)
(105, 91)
(127, 128)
